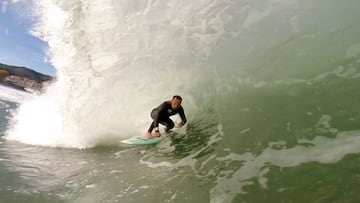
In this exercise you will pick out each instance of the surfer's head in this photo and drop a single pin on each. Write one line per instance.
(176, 102)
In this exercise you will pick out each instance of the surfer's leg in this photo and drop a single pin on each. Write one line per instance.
(168, 123)
(154, 113)
(148, 134)
(151, 127)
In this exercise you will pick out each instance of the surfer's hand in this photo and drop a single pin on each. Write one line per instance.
(180, 125)
(157, 134)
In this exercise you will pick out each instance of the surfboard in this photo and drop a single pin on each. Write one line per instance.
(142, 141)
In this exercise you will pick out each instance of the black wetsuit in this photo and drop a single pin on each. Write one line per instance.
(161, 115)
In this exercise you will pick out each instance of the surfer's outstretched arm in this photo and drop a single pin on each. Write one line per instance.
(182, 116)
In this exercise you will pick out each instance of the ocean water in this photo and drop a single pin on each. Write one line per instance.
(270, 91)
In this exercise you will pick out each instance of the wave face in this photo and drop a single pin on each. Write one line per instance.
(117, 60)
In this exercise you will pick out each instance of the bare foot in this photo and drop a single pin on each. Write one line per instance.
(157, 134)
(149, 135)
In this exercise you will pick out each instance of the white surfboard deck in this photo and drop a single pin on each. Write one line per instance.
(146, 141)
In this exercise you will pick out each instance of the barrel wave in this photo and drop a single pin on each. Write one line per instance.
(269, 88)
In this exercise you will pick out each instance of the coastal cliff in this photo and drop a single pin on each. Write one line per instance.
(23, 78)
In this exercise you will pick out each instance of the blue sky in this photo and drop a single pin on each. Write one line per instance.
(17, 46)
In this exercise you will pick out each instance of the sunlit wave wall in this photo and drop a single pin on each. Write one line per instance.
(118, 59)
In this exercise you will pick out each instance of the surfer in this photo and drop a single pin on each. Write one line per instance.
(162, 113)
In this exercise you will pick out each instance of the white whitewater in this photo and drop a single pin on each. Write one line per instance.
(116, 60)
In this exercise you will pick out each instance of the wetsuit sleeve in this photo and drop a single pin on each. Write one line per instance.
(182, 115)
(159, 111)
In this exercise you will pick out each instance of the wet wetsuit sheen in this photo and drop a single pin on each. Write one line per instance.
(161, 115)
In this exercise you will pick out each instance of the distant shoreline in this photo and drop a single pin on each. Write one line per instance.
(23, 78)
(12, 86)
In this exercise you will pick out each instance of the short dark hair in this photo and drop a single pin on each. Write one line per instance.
(177, 97)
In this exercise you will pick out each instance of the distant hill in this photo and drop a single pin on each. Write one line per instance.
(25, 73)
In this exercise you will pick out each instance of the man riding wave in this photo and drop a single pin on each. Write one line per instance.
(162, 113)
